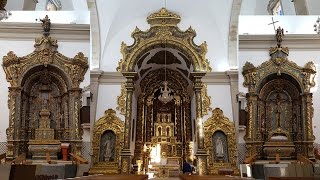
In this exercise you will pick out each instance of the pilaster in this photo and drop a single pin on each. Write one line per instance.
(201, 152)
(126, 155)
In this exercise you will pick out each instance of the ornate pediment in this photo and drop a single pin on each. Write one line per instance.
(45, 54)
(164, 30)
(278, 64)
(219, 122)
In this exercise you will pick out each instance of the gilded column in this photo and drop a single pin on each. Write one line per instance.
(309, 137)
(74, 115)
(251, 129)
(126, 154)
(14, 118)
(201, 152)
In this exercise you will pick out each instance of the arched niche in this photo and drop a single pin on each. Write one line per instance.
(220, 143)
(44, 80)
(107, 143)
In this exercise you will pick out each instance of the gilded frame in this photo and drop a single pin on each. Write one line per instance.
(163, 29)
(218, 122)
(108, 122)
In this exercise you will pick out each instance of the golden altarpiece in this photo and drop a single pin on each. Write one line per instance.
(107, 142)
(279, 105)
(171, 125)
(220, 142)
(44, 99)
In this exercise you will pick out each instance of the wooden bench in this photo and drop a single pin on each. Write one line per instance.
(302, 159)
(207, 177)
(114, 177)
(78, 159)
(294, 178)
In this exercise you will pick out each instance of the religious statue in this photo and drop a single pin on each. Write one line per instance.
(278, 110)
(279, 36)
(46, 25)
(219, 148)
(109, 147)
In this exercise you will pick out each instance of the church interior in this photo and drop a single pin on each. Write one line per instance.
(162, 89)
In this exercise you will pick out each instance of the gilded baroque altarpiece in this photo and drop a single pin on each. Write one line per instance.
(279, 105)
(44, 97)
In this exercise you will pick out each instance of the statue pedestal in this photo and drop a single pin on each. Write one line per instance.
(44, 139)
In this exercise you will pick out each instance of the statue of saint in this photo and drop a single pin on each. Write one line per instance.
(108, 149)
(278, 110)
(219, 148)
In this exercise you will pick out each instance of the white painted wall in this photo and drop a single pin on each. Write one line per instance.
(59, 17)
(288, 7)
(210, 21)
(290, 24)
(313, 7)
(107, 98)
(256, 57)
(220, 98)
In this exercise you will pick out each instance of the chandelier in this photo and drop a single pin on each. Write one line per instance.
(166, 94)
(317, 26)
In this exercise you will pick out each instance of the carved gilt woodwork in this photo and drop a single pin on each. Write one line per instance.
(163, 29)
(206, 100)
(121, 100)
(109, 122)
(151, 112)
(44, 79)
(219, 123)
(279, 106)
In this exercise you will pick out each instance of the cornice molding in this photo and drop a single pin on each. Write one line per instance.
(220, 78)
(292, 41)
(61, 32)
(106, 77)
(211, 78)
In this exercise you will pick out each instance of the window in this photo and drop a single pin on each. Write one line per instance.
(277, 9)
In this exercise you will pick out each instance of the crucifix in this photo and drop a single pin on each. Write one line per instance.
(273, 22)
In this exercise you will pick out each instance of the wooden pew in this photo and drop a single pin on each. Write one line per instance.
(277, 161)
(78, 159)
(21, 159)
(113, 177)
(302, 159)
(3, 157)
(206, 177)
(250, 160)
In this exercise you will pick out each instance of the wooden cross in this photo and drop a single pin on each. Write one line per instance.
(273, 22)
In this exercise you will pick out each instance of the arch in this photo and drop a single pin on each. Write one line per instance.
(56, 75)
(163, 30)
